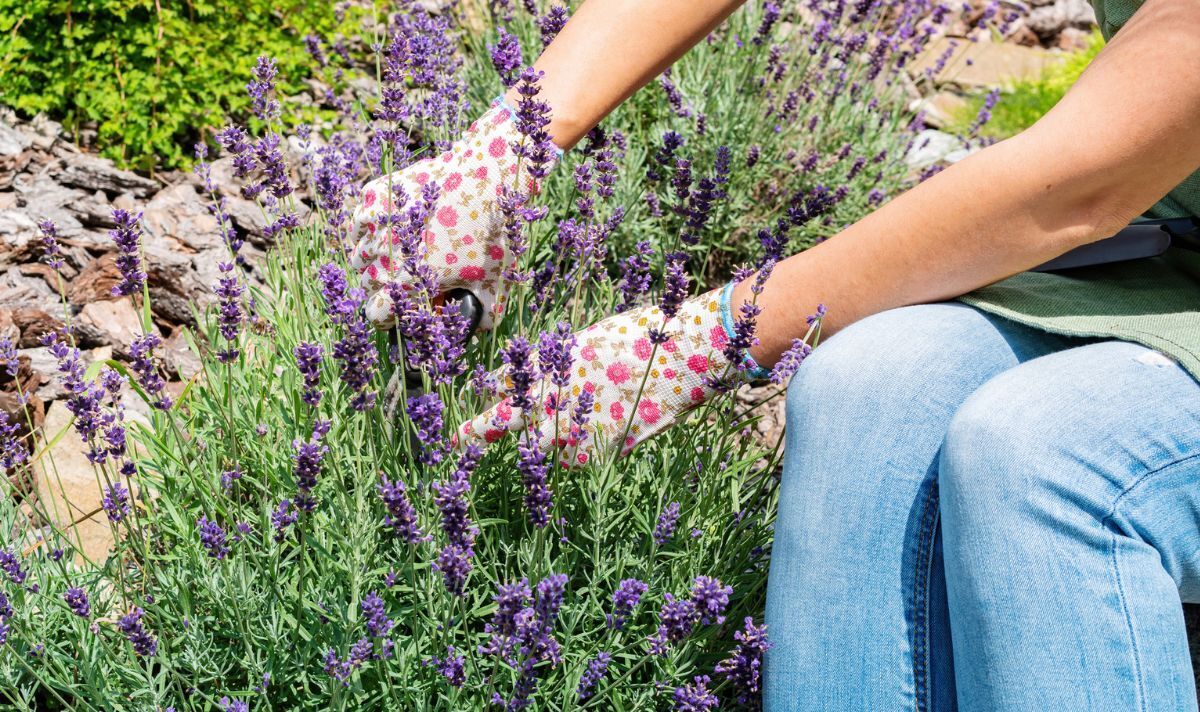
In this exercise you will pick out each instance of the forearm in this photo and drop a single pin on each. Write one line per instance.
(610, 49)
(1106, 153)
(975, 223)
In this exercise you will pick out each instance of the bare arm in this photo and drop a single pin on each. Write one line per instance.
(610, 49)
(1127, 133)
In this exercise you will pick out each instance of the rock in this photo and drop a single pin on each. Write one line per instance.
(178, 213)
(982, 64)
(69, 490)
(31, 324)
(932, 146)
(94, 210)
(942, 109)
(19, 230)
(95, 281)
(41, 361)
(1049, 20)
(1073, 39)
(92, 173)
(118, 319)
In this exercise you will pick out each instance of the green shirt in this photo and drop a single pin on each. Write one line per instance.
(1154, 302)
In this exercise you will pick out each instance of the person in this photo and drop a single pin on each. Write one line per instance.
(991, 487)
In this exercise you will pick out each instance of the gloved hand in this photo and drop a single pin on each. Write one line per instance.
(589, 405)
(464, 239)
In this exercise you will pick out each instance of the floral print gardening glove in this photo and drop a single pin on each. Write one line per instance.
(580, 392)
(464, 242)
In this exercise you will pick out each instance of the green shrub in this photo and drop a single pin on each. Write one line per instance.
(153, 74)
(1023, 102)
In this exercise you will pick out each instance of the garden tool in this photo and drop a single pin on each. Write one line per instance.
(472, 309)
(1144, 238)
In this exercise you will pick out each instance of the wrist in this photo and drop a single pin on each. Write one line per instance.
(749, 365)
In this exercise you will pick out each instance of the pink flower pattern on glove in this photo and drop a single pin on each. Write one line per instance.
(610, 359)
(464, 238)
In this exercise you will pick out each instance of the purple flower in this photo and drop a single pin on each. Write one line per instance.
(554, 354)
(128, 237)
(12, 450)
(11, 566)
(743, 667)
(675, 286)
(770, 17)
(625, 599)
(676, 619)
(667, 521)
(229, 313)
(282, 517)
(308, 362)
(50, 248)
(261, 87)
(533, 466)
(341, 670)
(212, 538)
(552, 23)
(142, 364)
(355, 351)
(401, 516)
(425, 413)
(452, 667)
(130, 625)
(710, 598)
(516, 355)
(307, 458)
(506, 56)
(597, 668)
(695, 696)
(228, 477)
(116, 502)
(375, 615)
(228, 705)
(77, 601)
(790, 361)
(510, 600)
(674, 97)
(532, 118)
(235, 142)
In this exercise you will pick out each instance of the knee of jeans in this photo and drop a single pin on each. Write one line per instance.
(884, 360)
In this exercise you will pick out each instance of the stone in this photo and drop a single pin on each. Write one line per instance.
(1073, 39)
(95, 281)
(92, 173)
(69, 489)
(932, 146)
(1049, 20)
(41, 361)
(941, 109)
(982, 64)
(118, 319)
(179, 214)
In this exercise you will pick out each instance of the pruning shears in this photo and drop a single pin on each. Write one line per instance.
(472, 309)
(1144, 238)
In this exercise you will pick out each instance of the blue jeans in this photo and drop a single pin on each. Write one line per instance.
(977, 515)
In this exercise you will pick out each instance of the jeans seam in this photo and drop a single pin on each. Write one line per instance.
(1113, 543)
(924, 561)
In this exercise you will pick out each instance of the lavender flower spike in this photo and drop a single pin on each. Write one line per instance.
(116, 502)
(695, 696)
(597, 668)
(743, 667)
(141, 353)
(77, 601)
(127, 237)
(625, 599)
(308, 362)
(667, 521)
(401, 516)
(229, 315)
(130, 625)
(212, 538)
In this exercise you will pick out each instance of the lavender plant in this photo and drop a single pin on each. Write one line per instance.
(287, 538)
